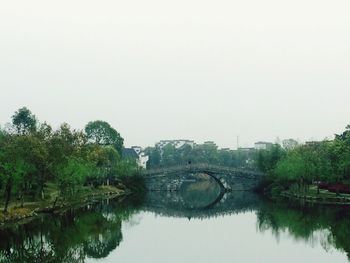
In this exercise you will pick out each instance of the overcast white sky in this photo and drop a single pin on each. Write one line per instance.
(196, 69)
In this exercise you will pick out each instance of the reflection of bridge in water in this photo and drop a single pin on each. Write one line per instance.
(172, 204)
(171, 178)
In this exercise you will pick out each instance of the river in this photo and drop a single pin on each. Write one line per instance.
(195, 224)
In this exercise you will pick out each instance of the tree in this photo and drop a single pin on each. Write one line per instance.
(267, 159)
(101, 133)
(340, 152)
(34, 152)
(13, 168)
(72, 174)
(225, 157)
(154, 157)
(169, 156)
(24, 121)
(105, 159)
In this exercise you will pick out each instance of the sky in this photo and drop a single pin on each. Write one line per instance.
(186, 69)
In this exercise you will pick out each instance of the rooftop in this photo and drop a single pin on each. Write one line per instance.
(129, 153)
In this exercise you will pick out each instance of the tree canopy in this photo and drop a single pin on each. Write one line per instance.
(102, 133)
(33, 155)
(24, 121)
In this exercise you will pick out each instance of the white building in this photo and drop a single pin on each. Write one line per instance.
(136, 153)
(143, 159)
(137, 149)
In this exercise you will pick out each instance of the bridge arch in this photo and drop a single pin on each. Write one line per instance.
(163, 179)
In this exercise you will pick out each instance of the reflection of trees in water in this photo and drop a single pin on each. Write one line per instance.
(93, 231)
(329, 226)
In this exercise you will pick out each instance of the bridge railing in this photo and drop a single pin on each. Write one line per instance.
(197, 167)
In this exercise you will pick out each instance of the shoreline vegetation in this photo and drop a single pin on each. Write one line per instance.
(30, 210)
(47, 170)
(315, 172)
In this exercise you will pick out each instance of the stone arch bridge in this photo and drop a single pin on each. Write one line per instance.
(229, 178)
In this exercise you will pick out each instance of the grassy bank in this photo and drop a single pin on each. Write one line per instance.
(52, 202)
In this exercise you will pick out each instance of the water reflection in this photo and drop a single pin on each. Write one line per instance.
(95, 231)
(92, 231)
(195, 202)
(330, 226)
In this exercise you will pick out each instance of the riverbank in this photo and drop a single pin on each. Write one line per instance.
(30, 210)
(321, 196)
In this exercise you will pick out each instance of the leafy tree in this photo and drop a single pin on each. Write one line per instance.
(72, 174)
(63, 144)
(24, 121)
(154, 157)
(170, 155)
(13, 168)
(35, 155)
(224, 158)
(127, 168)
(101, 133)
(105, 159)
(200, 153)
(340, 153)
(267, 159)
(34, 152)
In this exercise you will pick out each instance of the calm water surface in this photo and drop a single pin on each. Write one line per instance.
(193, 225)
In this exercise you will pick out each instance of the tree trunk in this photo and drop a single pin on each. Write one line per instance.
(41, 189)
(8, 193)
(22, 200)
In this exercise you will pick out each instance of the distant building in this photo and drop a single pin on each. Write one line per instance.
(129, 153)
(211, 143)
(137, 149)
(136, 153)
(289, 144)
(317, 143)
(262, 145)
(246, 149)
(225, 149)
(176, 143)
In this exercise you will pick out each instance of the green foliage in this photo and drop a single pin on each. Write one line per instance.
(15, 167)
(291, 168)
(127, 168)
(154, 157)
(267, 159)
(101, 133)
(72, 174)
(302, 222)
(200, 153)
(88, 232)
(35, 155)
(327, 161)
(24, 121)
(105, 160)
